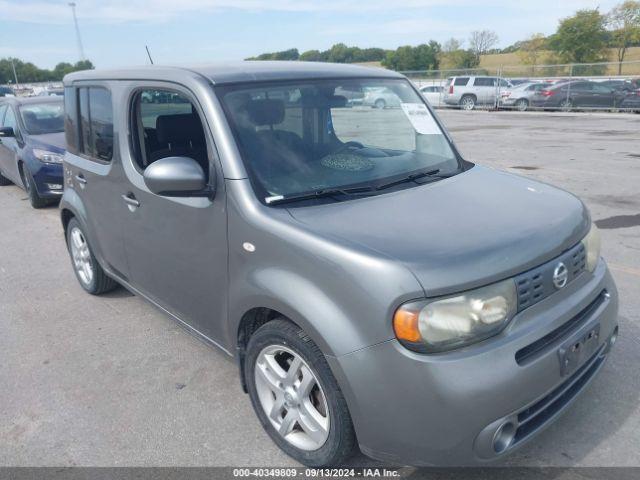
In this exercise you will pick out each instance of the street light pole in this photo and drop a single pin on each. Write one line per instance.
(75, 21)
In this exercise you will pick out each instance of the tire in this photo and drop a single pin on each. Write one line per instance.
(4, 181)
(522, 105)
(566, 105)
(380, 104)
(97, 281)
(468, 102)
(30, 186)
(272, 351)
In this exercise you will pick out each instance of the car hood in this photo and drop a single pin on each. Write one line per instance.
(477, 227)
(54, 142)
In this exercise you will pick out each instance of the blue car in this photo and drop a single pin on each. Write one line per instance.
(32, 146)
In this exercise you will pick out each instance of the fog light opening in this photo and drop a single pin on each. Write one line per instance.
(503, 437)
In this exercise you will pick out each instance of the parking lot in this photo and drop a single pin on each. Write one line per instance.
(111, 381)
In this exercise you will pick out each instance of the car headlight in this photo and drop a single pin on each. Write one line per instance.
(591, 244)
(47, 156)
(437, 325)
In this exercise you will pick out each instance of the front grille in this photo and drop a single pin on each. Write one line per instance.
(537, 283)
(551, 339)
(536, 415)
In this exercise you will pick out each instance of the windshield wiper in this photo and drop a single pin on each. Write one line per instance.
(413, 177)
(324, 193)
(365, 190)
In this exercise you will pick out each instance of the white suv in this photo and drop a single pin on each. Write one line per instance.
(469, 91)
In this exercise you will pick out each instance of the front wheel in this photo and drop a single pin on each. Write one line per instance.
(30, 186)
(566, 105)
(296, 397)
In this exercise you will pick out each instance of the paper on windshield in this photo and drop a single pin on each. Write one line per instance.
(421, 119)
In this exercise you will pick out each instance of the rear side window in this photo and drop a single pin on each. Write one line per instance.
(581, 86)
(483, 82)
(71, 119)
(461, 81)
(96, 123)
(3, 108)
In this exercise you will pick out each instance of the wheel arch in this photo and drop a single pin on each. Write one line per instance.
(66, 215)
(71, 206)
(21, 164)
(255, 317)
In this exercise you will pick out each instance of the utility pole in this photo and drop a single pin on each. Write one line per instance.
(75, 21)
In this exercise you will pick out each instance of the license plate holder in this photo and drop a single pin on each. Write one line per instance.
(578, 349)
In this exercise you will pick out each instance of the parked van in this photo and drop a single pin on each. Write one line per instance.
(375, 288)
(467, 92)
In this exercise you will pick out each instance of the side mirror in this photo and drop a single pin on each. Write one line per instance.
(176, 177)
(7, 132)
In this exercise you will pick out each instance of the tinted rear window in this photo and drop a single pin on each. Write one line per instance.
(461, 81)
(71, 119)
(483, 82)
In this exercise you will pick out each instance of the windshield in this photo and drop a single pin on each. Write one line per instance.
(39, 118)
(327, 134)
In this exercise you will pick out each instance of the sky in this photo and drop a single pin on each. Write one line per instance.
(114, 33)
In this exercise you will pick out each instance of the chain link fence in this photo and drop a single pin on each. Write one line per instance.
(613, 86)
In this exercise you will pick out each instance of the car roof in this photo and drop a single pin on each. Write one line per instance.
(237, 72)
(30, 100)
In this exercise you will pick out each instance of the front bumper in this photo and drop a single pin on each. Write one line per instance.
(49, 180)
(474, 405)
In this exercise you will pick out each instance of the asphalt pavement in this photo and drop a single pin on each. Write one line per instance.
(112, 381)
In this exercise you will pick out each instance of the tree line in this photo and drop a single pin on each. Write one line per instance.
(585, 37)
(27, 72)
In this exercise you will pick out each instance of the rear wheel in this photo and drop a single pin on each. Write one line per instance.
(4, 180)
(296, 397)
(30, 186)
(468, 102)
(87, 269)
(522, 104)
(380, 103)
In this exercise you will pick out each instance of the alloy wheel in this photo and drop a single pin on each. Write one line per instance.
(292, 397)
(81, 256)
(468, 103)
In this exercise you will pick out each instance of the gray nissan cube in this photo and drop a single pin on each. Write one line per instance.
(375, 289)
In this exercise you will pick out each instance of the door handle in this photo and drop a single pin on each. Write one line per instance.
(131, 201)
(80, 179)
